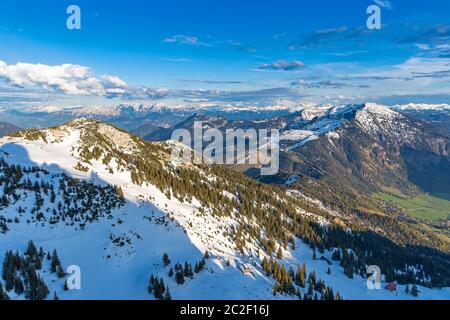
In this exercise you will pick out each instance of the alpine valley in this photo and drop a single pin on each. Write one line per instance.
(358, 185)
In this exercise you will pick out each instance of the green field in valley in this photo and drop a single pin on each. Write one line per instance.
(423, 206)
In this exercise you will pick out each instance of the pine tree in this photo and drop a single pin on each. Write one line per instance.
(300, 277)
(60, 272)
(279, 254)
(415, 291)
(66, 286)
(187, 271)
(329, 295)
(179, 278)
(41, 253)
(3, 295)
(18, 285)
(31, 250)
(150, 284)
(159, 289)
(55, 262)
(336, 256)
(167, 295)
(312, 279)
(38, 263)
(166, 260)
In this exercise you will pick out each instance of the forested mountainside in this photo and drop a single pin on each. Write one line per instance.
(345, 155)
(138, 223)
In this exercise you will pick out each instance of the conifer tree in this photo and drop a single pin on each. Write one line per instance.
(60, 272)
(66, 286)
(3, 295)
(55, 262)
(300, 277)
(166, 260)
(18, 285)
(279, 254)
(167, 295)
(415, 291)
(31, 250)
(179, 278)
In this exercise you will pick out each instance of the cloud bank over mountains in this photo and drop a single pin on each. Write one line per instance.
(66, 78)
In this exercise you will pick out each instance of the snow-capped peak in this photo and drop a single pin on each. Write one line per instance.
(378, 109)
(416, 107)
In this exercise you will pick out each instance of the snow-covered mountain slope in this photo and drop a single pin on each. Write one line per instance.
(376, 120)
(352, 151)
(437, 114)
(113, 205)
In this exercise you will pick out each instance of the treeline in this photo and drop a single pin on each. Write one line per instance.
(63, 199)
(289, 282)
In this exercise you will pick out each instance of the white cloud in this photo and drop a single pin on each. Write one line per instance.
(384, 4)
(183, 39)
(283, 65)
(415, 75)
(66, 78)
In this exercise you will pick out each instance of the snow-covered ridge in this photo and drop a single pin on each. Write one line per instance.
(325, 120)
(143, 109)
(308, 110)
(419, 107)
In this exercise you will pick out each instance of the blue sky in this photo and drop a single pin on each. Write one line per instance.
(230, 52)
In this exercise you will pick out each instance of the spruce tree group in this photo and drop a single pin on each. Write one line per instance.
(159, 289)
(63, 199)
(21, 273)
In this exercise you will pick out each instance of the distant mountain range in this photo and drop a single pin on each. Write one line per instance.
(6, 128)
(132, 116)
(437, 114)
